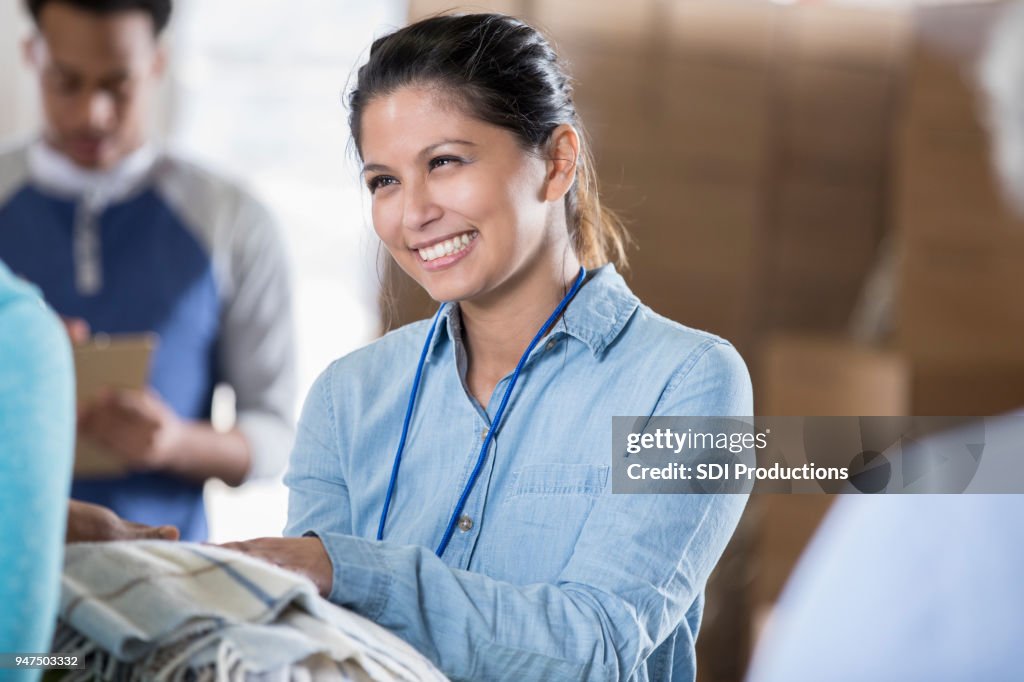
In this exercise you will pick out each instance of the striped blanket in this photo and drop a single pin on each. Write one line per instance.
(156, 610)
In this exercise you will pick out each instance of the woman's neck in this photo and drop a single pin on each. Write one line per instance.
(498, 331)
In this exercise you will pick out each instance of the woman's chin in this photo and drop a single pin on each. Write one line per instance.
(447, 285)
(447, 293)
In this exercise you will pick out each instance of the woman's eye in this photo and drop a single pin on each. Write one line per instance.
(378, 181)
(443, 161)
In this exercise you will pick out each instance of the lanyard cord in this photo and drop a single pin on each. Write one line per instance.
(495, 422)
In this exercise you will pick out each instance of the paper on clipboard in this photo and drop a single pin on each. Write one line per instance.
(108, 362)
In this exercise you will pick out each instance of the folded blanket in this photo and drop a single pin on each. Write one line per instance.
(156, 610)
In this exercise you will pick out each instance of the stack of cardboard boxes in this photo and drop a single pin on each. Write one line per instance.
(960, 316)
(837, 72)
(677, 102)
(744, 142)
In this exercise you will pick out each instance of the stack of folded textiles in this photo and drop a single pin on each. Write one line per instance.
(158, 610)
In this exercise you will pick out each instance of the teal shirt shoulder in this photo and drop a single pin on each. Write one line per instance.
(36, 443)
(548, 575)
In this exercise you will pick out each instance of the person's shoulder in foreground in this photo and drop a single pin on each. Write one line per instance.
(36, 438)
(904, 587)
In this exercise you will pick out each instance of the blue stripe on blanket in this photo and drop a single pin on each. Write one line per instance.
(252, 587)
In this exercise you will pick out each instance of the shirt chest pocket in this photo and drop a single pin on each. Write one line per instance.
(542, 514)
(558, 480)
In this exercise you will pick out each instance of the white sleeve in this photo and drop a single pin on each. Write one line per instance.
(256, 349)
(256, 345)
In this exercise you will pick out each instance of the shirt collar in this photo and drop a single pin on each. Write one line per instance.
(52, 170)
(596, 315)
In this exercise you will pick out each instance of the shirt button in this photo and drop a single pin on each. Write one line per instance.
(465, 523)
(483, 434)
(551, 344)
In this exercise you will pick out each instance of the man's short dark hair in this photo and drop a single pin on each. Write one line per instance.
(158, 10)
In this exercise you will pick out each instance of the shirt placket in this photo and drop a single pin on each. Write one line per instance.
(470, 520)
(86, 244)
(459, 551)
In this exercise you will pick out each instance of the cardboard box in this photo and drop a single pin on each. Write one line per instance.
(961, 317)
(718, 304)
(940, 93)
(827, 227)
(869, 38)
(959, 292)
(967, 389)
(731, 31)
(616, 95)
(836, 115)
(596, 20)
(943, 170)
(702, 227)
(806, 303)
(719, 116)
(813, 375)
(419, 9)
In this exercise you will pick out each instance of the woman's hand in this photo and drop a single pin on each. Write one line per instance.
(93, 523)
(305, 556)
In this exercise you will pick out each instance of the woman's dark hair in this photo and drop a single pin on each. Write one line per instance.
(158, 10)
(506, 74)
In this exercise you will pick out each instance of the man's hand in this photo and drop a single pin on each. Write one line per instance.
(77, 329)
(305, 556)
(134, 425)
(93, 523)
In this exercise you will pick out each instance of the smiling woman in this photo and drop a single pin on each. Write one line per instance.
(450, 481)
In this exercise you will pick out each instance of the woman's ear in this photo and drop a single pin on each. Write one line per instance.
(563, 152)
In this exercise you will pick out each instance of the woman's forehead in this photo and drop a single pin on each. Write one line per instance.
(411, 119)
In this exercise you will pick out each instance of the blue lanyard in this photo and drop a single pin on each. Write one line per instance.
(490, 432)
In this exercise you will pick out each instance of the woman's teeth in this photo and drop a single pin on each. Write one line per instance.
(447, 247)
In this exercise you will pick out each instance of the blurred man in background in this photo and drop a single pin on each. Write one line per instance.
(909, 587)
(122, 239)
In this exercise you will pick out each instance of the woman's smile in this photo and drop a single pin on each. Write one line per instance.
(442, 253)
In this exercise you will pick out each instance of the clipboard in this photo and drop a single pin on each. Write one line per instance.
(120, 361)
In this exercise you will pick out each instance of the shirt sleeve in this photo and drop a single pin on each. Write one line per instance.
(640, 563)
(317, 493)
(257, 345)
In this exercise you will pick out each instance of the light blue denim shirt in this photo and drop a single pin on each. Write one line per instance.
(549, 576)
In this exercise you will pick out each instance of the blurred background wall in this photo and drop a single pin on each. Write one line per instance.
(810, 180)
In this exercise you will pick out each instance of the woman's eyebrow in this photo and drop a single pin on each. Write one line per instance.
(430, 149)
(426, 151)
